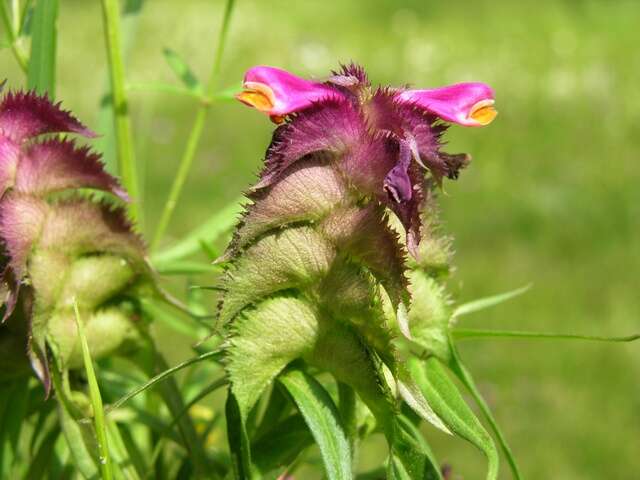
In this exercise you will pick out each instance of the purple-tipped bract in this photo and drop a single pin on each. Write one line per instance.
(381, 139)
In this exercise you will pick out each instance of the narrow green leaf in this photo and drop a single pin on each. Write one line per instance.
(468, 333)
(347, 406)
(120, 454)
(442, 394)
(323, 420)
(410, 457)
(465, 377)
(78, 439)
(160, 377)
(172, 398)
(39, 464)
(106, 468)
(182, 71)
(42, 62)
(13, 419)
(239, 446)
(488, 302)
(219, 223)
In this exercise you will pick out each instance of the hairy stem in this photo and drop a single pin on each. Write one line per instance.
(122, 122)
(196, 132)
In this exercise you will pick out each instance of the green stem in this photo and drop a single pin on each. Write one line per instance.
(196, 132)
(467, 333)
(465, 377)
(122, 121)
(11, 34)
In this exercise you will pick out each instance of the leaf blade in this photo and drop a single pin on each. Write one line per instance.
(106, 466)
(447, 402)
(324, 421)
(488, 302)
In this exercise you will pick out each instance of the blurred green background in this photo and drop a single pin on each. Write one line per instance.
(552, 196)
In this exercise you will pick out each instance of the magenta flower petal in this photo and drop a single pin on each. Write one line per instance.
(279, 93)
(469, 104)
(26, 115)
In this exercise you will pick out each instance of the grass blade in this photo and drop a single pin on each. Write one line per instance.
(239, 447)
(488, 302)
(160, 377)
(39, 464)
(41, 70)
(106, 468)
(324, 421)
(469, 333)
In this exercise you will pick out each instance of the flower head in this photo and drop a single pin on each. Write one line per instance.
(60, 248)
(383, 140)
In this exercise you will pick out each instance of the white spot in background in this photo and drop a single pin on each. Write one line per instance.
(421, 56)
(561, 84)
(314, 56)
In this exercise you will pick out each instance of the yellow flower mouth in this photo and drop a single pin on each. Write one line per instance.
(257, 95)
(483, 112)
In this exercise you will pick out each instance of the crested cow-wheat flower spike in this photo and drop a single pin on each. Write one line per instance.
(60, 245)
(317, 270)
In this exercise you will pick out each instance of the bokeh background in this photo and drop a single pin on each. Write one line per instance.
(551, 198)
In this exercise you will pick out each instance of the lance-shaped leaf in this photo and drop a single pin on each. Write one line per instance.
(447, 402)
(323, 420)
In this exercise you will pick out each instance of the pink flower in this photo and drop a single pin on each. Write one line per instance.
(382, 139)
